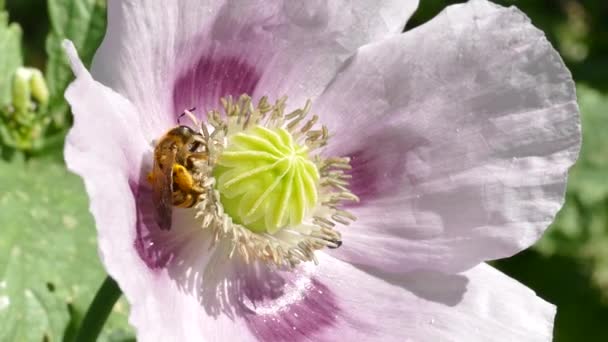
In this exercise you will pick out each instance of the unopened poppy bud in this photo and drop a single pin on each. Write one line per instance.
(21, 90)
(28, 85)
(40, 92)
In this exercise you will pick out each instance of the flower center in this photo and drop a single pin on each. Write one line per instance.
(265, 188)
(266, 179)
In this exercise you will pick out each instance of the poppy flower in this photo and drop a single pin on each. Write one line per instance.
(351, 180)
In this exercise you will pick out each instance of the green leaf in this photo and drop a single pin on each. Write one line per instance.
(10, 56)
(581, 228)
(84, 23)
(588, 179)
(49, 267)
(595, 123)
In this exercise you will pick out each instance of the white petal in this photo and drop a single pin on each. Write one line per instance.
(171, 55)
(106, 148)
(338, 302)
(461, 132)
(481, 304)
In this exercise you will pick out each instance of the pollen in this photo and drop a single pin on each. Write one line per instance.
(269, 191)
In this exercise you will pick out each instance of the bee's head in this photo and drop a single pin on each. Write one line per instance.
(185, 132)
(189, 137)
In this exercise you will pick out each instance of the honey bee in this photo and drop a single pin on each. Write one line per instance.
(175, 178)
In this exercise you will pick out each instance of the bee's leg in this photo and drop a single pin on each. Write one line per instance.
(190, 201)
(197, 160)
(182, 178)
(198, 167)
(183, 200)
(198, 145)
(177, 198)
(198, 189)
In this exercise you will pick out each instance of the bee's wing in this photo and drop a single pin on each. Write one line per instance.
(163, 188)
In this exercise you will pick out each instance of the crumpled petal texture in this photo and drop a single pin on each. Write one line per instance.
(480, 304)
(167, 56)
(101, 115)
(466, 128)
(461, 133)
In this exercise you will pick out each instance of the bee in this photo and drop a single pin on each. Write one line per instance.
(175, 176)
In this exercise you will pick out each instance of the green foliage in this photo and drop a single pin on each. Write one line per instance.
(49, 267)
(84, 23)
(562, 281)
(588, 178)
(10, 57)
(581, 228)
(23, 124)
(34, 118)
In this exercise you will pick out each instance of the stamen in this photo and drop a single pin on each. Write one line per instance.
(264, 192)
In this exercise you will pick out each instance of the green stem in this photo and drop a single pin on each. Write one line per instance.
(98, 311)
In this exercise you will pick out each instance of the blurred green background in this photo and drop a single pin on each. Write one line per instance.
(49, 269)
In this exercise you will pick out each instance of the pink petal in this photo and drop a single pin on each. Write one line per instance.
(461, 132)
(186, 292)
(338, 302)
(167, 56)
(106, 140)
(106, 148)
(175, 284)
(199, 295)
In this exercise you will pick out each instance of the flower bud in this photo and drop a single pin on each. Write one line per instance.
(21, 90)
(28, 85)
(40, 92)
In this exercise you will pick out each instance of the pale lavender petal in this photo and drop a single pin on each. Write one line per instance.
(181, 289)
(203, 296)
(461, 132)
(481, 304)
(106, 148)
(338, 302)
(106, 138)
(168, 56)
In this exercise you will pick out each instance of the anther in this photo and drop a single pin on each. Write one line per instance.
(290, 183)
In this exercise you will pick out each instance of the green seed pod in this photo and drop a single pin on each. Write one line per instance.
(266, 179)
